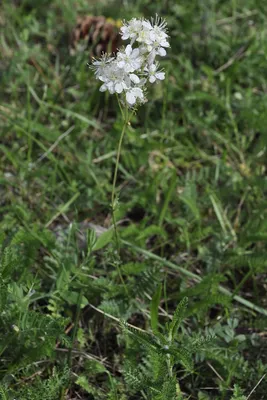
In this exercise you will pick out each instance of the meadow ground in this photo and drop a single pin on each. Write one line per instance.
(78, 320)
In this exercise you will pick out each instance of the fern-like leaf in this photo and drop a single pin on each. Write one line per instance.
(3, 294)
(177, 318)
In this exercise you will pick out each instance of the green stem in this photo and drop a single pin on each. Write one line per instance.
(121, 110)
(169, 365)
(113, 195)
(126, 119)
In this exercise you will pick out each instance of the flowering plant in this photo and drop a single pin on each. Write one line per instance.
(128, 73)
(135, 65)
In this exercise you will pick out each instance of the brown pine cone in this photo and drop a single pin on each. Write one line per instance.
(96, 34)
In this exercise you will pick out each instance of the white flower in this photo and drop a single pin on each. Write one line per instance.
(133, 68)
(129, 59)
(114, 79)
(158, 42)
(133, 95)
(131, 29)
(154, 74)
(159, 45)
(134, 78)
(144, 36)
(100, 65)
(157, 36)
(153, 37)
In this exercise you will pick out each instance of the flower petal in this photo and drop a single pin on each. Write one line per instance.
(103, 88)
(162, 52)
(160, 75)
(137, 92)
(164, 43)
(135, 53)
(110, 86)
(131, 99)
(118, 87)
(128, 50)
(147, 24)
(134, 78)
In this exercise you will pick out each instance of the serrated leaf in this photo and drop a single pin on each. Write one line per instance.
(3, 294)
(84, 383)
(184, 358)
(141, 336)
(177, 317)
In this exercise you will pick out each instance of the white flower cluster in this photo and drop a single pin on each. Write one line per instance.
(128, 73)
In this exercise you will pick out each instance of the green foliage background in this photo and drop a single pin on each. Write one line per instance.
(189, 320)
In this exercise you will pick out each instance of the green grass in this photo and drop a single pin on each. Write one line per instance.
(192, 210)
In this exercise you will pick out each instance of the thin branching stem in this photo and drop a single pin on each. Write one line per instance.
(114, 198)
(113, 195)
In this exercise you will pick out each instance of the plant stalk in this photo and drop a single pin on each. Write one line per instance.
(113, 195)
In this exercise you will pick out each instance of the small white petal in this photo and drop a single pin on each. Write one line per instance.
(152, 79)
(162, 52)
(128, 68)
(110, 86)
(131, 99)
(137, 92)
(128, 50)
(118, 87)
(160, 75)
(103, 88)
(147, 24)
(102, 78)
(164, 43)
(134, 78)
(135, 53)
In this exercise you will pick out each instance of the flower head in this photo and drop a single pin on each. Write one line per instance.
(130, 29)
(154, 74)
(129, 59)
(133, 95)
(128, 73)
(114, 79)
(100, 65)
